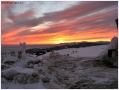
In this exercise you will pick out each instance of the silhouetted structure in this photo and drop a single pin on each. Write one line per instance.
(110, 51)
(117, 23)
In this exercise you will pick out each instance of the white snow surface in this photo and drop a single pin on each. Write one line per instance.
(10, 58)
(57, 73)
(92, 51)
(27, 70)
(38, 85)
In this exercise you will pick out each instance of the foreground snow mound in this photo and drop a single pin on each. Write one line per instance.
(92, 73)
(10, 59)
(9, 73)
(8, 85)
(27, 76)
(21, 75)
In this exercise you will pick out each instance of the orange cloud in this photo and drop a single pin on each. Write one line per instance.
(94, 36)
(14, 32)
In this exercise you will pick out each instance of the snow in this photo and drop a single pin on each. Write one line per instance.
(61, 70)
(92, 51)
(10, 58)
(17, 68)
(12, 72)
(99, 79)
(9, 73)
(27, 71)
(23, 86)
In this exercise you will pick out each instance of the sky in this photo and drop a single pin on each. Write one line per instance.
(53, 22)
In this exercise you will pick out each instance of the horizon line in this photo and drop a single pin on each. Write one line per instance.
(58, 43)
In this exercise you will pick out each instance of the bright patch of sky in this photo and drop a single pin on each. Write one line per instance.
(44, 25)
(42, 7)
(99, 12)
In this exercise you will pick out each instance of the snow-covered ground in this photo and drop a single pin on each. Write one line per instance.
(62, 69)
(92, 51)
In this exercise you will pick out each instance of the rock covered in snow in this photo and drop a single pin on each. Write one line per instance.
(9, 58)
(21, 75)
(9, 73)
(26, 76)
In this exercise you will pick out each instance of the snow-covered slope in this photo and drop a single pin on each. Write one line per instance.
(91, 51)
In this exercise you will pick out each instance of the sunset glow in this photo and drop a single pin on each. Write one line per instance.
(54, 22)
